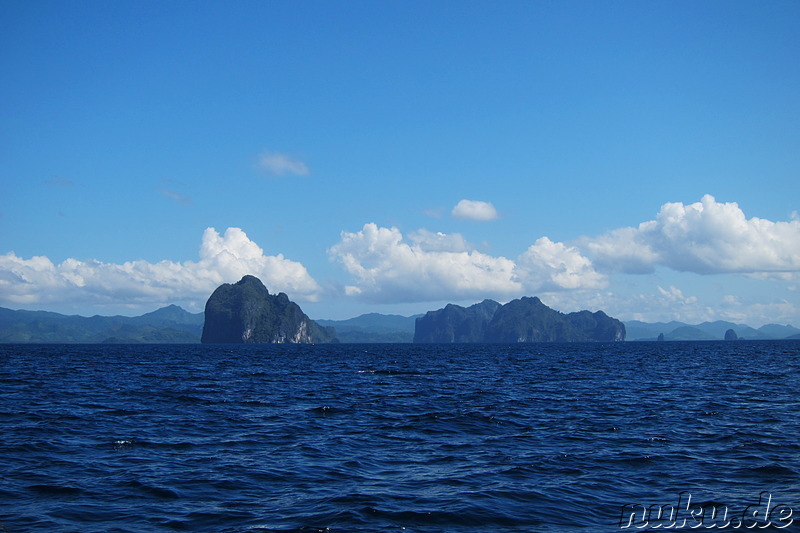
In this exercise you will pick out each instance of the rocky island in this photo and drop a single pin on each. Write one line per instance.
(522, 320)
(454, 323)
(245, 312)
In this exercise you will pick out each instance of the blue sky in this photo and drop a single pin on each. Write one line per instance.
(637, 157)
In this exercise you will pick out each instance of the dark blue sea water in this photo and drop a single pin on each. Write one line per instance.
(415, 438)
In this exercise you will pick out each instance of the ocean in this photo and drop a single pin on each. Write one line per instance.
(400, 437)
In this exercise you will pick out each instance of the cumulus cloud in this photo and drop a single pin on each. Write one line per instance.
(474, 210)
(223, 258)
(706, 237)
(277, 164)
(553, 266)
(387, 268)
(435, 266)
(232, 255)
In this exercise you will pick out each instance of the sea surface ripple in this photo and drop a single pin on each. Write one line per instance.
(369, 438)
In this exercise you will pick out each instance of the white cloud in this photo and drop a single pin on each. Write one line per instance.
(474, 210)
(435, 266)
(553, 266)
(388, 269)
(277, 164)
(233, 255)
(141, 284)
(623, 250)
(706, 237)
(674, 294)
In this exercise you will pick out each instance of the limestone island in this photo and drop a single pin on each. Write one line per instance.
(522, 320)
(246, 313)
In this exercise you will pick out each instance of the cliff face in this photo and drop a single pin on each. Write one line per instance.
(245, 312)
(455, 323)
(523, 320)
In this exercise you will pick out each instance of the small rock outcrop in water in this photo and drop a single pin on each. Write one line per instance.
(731, 335)
(522, 320)
(245, 312)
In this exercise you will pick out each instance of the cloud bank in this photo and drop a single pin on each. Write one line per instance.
(386, 266)
(427, 266)
(223, 259)
(706, 237)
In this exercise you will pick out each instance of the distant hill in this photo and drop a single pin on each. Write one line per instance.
(674, 331)
(717, 330)
(688, 333)
(373, 328)
(168, 325)
(776, 331)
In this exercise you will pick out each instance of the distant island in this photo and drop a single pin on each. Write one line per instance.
(522, 320)
(245, 312)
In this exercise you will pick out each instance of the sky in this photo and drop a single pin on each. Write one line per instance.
(392, 156)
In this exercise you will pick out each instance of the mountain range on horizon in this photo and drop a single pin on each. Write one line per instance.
(173, 324)
(168, 325)
(706, 331)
